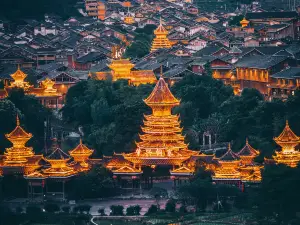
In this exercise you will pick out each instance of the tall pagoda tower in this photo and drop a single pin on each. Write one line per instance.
(19, 155)
(288, 140)
(161, 142)
(161, 40)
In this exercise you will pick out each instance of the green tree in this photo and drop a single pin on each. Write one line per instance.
(112, 112)
(171, 206)
(97, 183)
(66, 209)
(133, 210)
(116, 210)
(51, 208)
(278, 198)
(153, 209)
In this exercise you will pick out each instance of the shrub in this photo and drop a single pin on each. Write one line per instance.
(32, 209)
(51, 208)
(116, 210)
(101, 211)
(66, 209)
(152, 210)
(19, 210)
(133, 210)
(171, 206)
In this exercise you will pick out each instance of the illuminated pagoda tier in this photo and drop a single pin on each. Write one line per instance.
(129, 19)
(81, 154)
(59, 171)
(18, 80)
(161, 142)
(287, 140)
(20, 156)
(228, 172)
(59, 164)
(122, 69)
(244, 22)
(249, 170)
(161, 40)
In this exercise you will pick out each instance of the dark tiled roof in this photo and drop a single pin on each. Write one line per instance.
(271, 15)
(289, 73)
(91, 57)
(260, 62)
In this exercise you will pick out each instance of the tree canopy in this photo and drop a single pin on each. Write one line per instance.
(142, 42)
(36, 9)
(110, 113)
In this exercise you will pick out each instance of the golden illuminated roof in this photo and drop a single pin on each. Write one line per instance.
(160, 29)
(127, 170)
(248, 150)
(161, 95)
(18, 133)
(244, 22)
(229, 155)
(48, 85)
(19, 77)
(287, 136)
(58, 154)
(183, 170)
(81, 149)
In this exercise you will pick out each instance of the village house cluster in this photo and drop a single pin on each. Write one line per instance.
(258, 51)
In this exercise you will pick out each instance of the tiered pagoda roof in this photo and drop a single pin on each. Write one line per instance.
(19, 77)
(229, 166)
(247, 154)
(59, 164)
(244, 22)
(161, 142)
(19, 156)
(288, 140)
(161, 40)
(18, 153)
(81, 154)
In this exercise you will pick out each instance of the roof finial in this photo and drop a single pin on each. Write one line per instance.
(229, 146)
(18, 121)
(19, 68)
(80, 141)
(161, 71)
(247, 140)
(287, 123)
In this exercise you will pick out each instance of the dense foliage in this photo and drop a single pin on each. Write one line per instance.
(110, 113)
(35, 9)
(278, 198)
(142, 42)
(97, 183)
(32, 116)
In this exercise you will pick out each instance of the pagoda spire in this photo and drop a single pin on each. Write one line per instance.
(161, 100)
